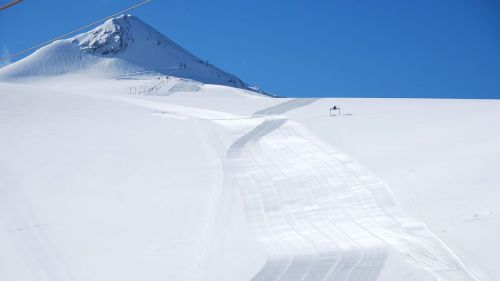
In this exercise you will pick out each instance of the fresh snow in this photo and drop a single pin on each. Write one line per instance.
(151, 175)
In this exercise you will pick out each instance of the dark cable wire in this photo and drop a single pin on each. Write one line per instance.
(8, 5)
(73, 31)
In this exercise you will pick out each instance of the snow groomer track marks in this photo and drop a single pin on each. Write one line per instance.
(319, 214)
(322, 216)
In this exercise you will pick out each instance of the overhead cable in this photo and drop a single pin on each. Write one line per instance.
(73, 31)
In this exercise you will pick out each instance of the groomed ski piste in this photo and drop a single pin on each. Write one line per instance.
(143, 175)
(319, 214)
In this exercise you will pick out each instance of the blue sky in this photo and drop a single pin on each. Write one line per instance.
(356, 48)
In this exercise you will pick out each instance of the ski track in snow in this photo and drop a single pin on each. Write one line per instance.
(318, 213)
(28, 235)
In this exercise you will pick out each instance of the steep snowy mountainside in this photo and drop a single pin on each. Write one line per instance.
(121, 45)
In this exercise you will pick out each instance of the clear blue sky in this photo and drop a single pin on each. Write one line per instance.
(392, 48)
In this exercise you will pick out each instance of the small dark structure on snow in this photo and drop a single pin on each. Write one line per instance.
(332, 110)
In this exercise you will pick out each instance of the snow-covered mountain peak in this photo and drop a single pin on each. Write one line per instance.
(110, 38)
(117, 34)
(122, 45)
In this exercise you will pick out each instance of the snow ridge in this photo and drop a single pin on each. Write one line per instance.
(108, 39)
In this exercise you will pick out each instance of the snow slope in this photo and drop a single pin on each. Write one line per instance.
(439, 157)
(121, 45)
(101, 182)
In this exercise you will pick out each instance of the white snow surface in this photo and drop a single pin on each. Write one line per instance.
(163, 178)
(120, 46)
